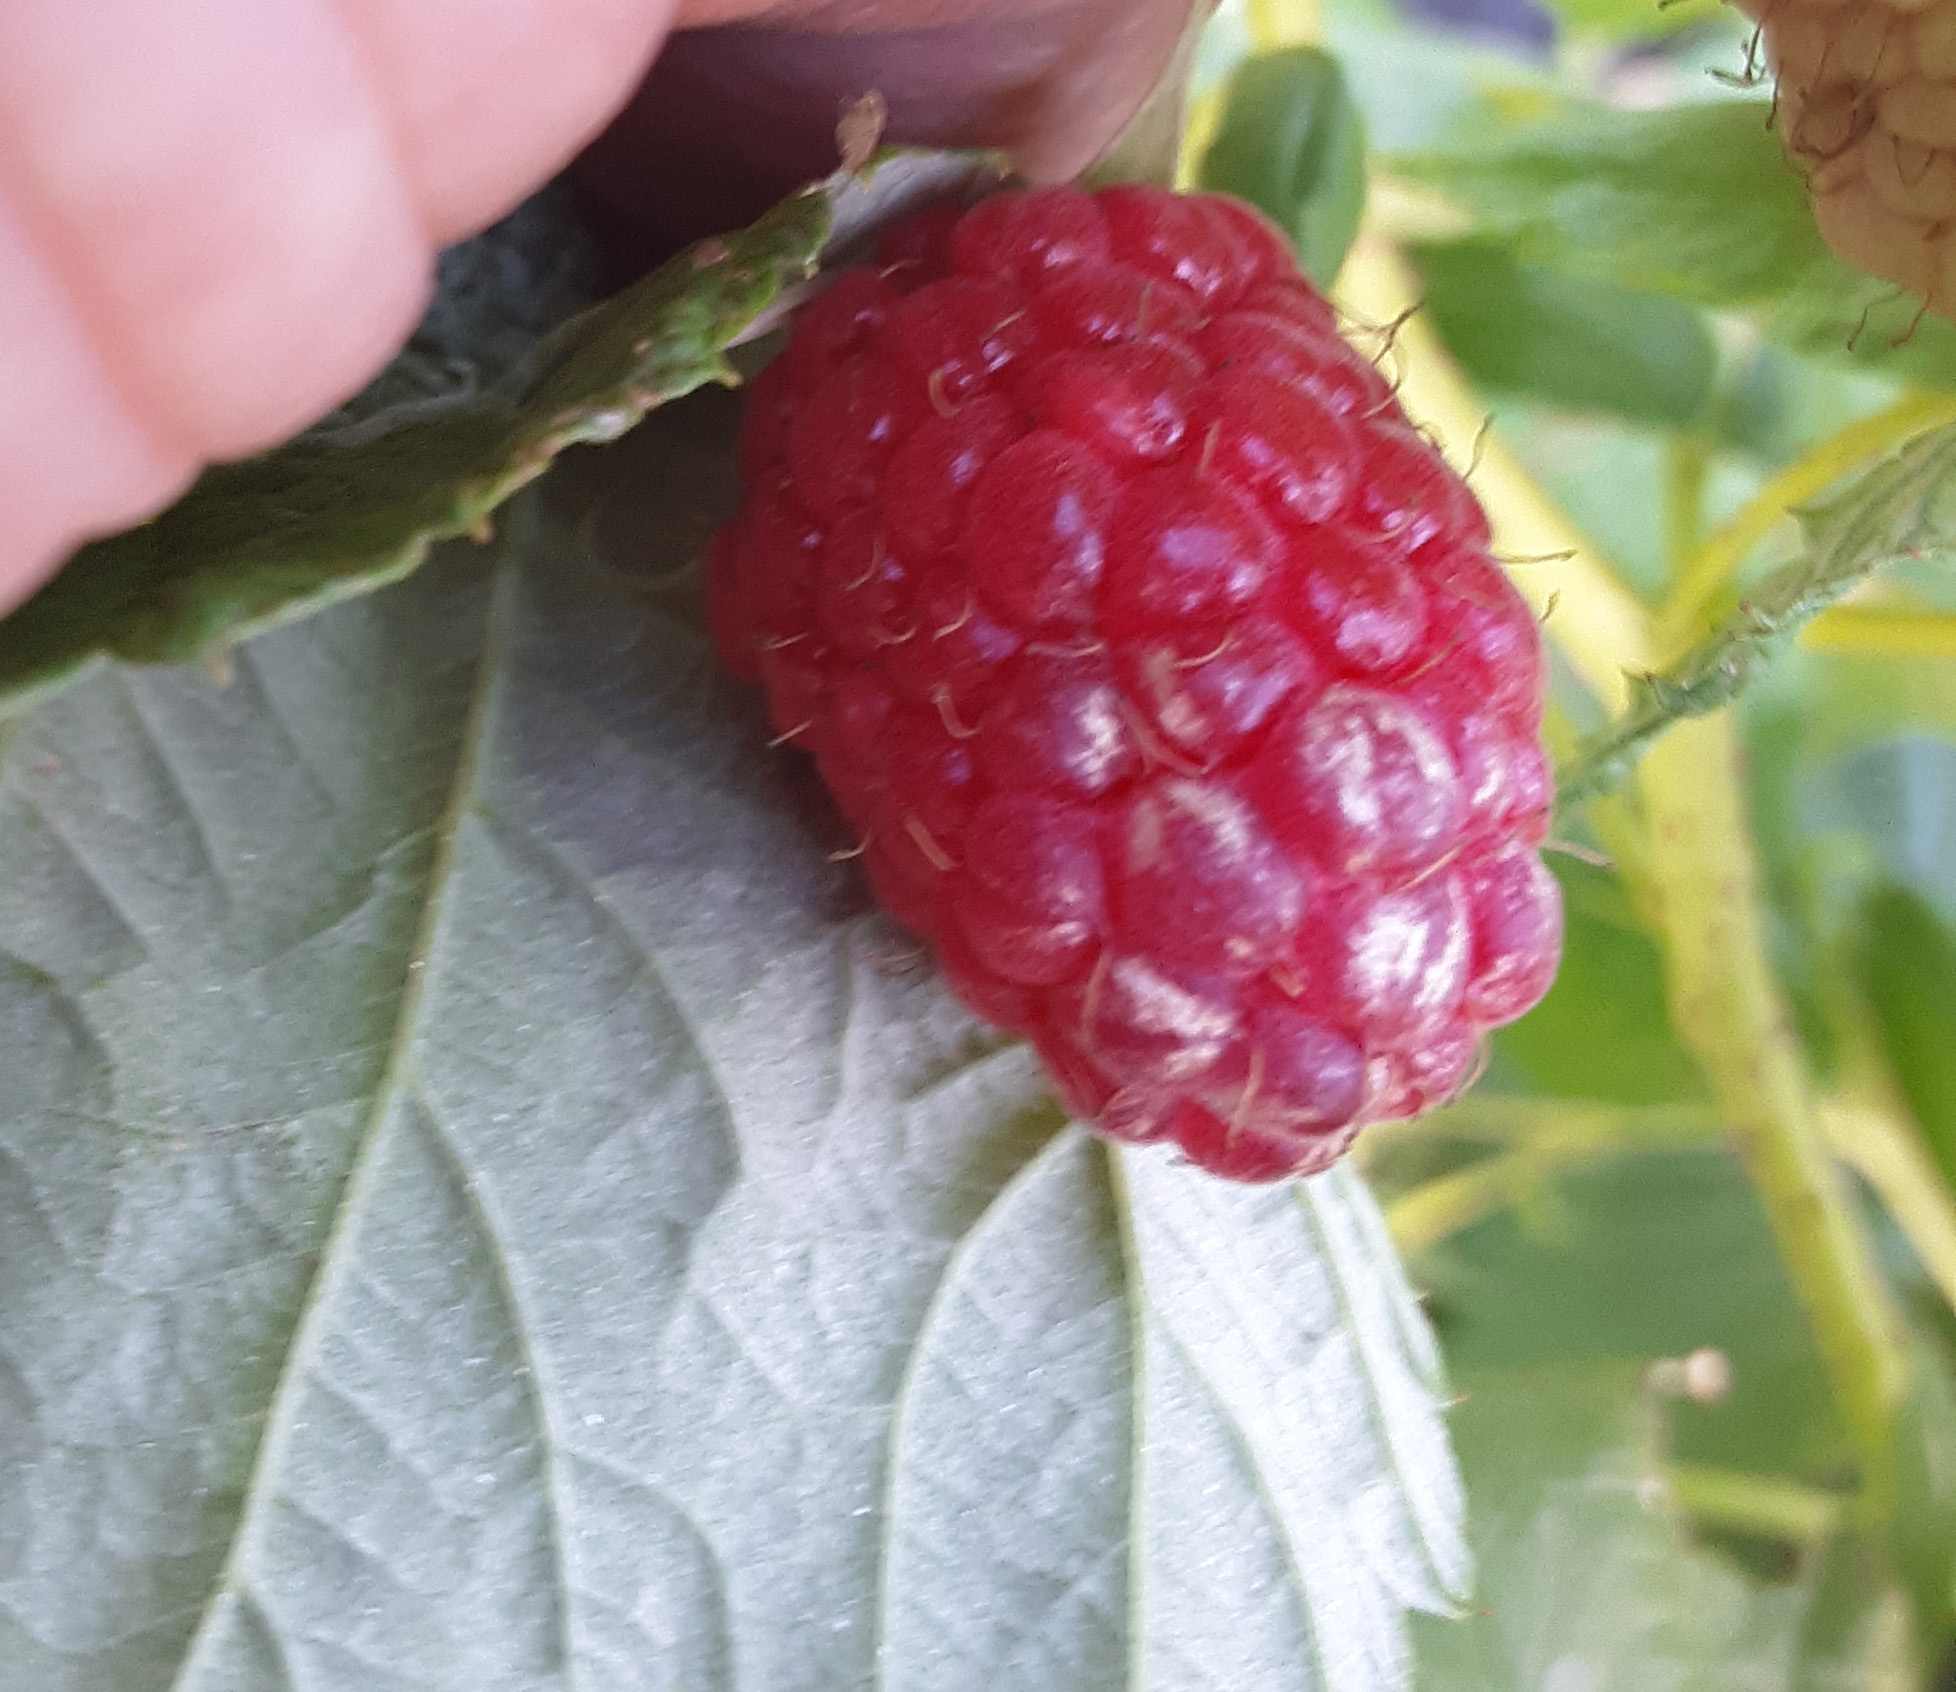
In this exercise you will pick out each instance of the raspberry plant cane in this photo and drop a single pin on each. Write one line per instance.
(1160, 665)
(1687, 849)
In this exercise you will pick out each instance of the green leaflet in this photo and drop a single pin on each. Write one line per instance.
(1575, 342)
(1832, 311)
(485, 1207)
(1903, 509)
(1648, 1254)
(429, 453)
(1549, 1315)
(1694, 201)
(1590, 1582)
(1292, 143)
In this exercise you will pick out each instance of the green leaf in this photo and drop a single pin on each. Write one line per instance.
(1588, 345)
(1293, 144)
(1908, 972)
(484, 1204)
(1549, 1315)
(1693, 201)
(357, 503)
(1896, 802)
(1648, 1255)
(1587, 1581)
(1904, 509)
(1777, 404)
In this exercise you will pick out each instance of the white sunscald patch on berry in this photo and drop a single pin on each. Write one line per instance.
(1159, 665)
(1402, 965)
(1373, 779)
(1203, 879)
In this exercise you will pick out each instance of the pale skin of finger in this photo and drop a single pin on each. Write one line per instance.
(72, 454)
(225, 212)
(546, 74)
(215, 183)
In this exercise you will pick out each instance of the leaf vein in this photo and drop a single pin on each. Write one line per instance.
(282, 1413)
(541, 1389)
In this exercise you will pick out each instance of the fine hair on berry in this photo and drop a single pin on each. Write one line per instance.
(1158, 663)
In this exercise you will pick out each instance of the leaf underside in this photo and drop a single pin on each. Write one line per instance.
(483, 1204)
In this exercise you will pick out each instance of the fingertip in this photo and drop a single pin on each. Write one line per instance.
(486, 103)
(232, 224)
(73, 462)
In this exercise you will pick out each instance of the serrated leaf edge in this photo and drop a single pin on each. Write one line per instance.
(1338, 1203)
(1849, 537)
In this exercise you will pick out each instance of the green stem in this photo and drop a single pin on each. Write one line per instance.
(1756, 1504)
(1424, 1217)
(1516, 1120)
(1277, 24)
(1687, 462)
(1697, 876)
(1704, 887)
(1727, 1008)
(1542, 1137)
(1877, 1139)
(1882, 631)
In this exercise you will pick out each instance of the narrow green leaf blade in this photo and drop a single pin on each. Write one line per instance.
(1904, 509)
(1292, 143)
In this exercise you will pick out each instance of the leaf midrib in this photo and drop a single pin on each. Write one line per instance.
(361, 1178)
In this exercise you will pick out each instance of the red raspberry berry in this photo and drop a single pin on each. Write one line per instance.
(1160, 665)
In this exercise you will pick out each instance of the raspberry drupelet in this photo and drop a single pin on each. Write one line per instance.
(1160, 665)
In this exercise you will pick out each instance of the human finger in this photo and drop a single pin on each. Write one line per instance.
(488, 101)
(733, 116)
